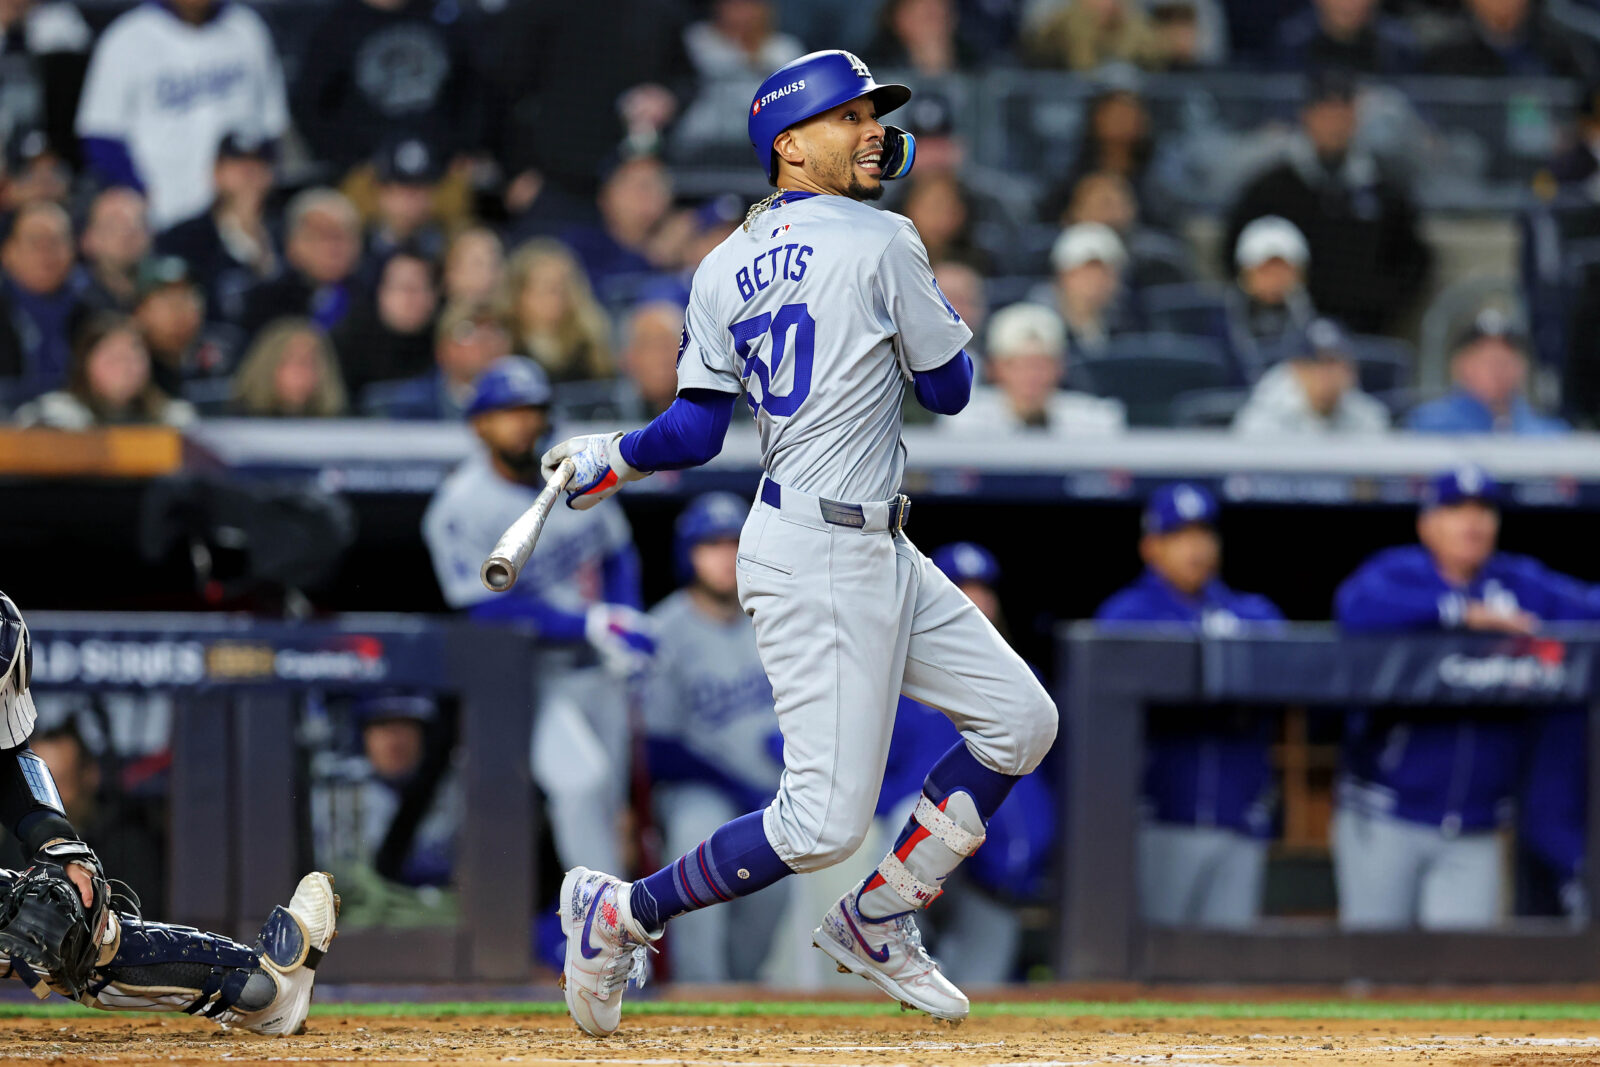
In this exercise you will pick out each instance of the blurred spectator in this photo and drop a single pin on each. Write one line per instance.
(1153, 258)
(115, 238)
(1267, 306)
(35, 172)
(979, 928)
(165, 82)
(381, 71)
(1489, 368)
(474, 267)
(170, 313)
(579, 590)
(467, 340)
(407, 173)
(1312, 391)
(700, 230)
(920, 35)
(553, 316)
(41, 299)
(1577, 165)
(1189, 33)
(567, 113)
(108, 384)
(1208, 786)
(44, 46)
(937, 206)
(1084, 35)
(650, 339)
(321, 251)
(391, 337)
(1027, 357)
(290, 372)
(732, 51)
(1421, 798)
(1509, 39)
(1117, 139)
(1368, 261)
(1089, 262)
(711, 736)
(619, 253)
(967, 293)
(229, 247)
(1348, 34)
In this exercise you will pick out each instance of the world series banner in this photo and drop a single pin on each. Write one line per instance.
(1305, 666)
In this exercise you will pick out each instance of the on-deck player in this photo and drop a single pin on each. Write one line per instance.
(816, 311)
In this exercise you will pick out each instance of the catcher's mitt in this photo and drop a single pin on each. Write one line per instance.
(43, 920)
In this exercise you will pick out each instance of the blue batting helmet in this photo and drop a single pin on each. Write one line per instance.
(965, 561)
(510, 382)
(709, 517)
(809, 86)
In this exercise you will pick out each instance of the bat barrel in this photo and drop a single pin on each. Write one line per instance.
(499, 573)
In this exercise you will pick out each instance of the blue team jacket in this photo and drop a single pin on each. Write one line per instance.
(1461, 412)
(1202, 769)
(1457, 773)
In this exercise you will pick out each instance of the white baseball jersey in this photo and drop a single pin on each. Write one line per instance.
(708, 691)
(170, 91)
(819, 312)
(474, 507)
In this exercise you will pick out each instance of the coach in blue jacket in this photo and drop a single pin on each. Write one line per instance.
(1208, 787)
(1421, 798)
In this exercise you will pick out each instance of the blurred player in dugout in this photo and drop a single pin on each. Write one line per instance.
(1421, 798)
(711, 735)
(1208, 791)
(579, 591)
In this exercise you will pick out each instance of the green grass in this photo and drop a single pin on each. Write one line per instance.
(1055, 1009)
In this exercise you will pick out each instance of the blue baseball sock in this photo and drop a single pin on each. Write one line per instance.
(733, 862)
(960, 769)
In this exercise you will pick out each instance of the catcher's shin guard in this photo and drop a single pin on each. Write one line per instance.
(161, 967)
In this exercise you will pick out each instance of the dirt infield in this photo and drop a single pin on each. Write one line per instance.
(821, 1041)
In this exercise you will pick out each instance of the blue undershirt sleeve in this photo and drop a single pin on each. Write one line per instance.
(687, 434)
(946, 389)
(553, 624)
(111, 162)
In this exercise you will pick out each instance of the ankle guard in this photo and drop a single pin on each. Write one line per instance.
(936, 839)
(156, 961)
(284, 944)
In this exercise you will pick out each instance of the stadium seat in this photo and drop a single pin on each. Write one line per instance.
(1382, 363)
(1208, 409)
(1147, 372)
(1189, 308)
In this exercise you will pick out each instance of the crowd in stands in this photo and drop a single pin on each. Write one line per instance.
(202, 216)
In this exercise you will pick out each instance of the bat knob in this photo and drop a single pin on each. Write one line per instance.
(498, 574)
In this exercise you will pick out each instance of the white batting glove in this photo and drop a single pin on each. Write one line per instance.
(601, 470)
(624, 637)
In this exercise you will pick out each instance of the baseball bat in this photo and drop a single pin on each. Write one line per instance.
(499, 572)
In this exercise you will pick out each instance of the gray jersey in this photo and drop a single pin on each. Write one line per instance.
(473, 508)
(707, 691)
(817, 313)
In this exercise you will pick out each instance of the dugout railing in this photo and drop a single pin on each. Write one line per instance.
(236, 803)
(1109, 680)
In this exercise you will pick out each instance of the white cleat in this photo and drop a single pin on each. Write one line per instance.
(605, 948)
(293, 941)
(889, 954)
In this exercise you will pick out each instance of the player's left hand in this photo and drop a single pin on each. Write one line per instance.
(600, 468)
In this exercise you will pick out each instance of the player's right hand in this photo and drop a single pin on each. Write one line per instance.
(624, 637)
(599, 471)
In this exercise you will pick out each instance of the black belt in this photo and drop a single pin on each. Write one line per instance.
(839, 513)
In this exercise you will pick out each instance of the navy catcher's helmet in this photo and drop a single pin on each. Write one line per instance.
(16, 648)
(965, 561)
(709, 517)
(809, 86)
(510, 382)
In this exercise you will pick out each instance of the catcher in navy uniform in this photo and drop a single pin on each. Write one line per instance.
(63, 927)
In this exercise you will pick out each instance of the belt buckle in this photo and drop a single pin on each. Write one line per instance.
(900, 514)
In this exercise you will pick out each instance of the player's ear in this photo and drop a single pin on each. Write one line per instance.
(788, 147)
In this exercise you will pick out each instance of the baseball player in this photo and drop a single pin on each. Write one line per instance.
(64, 928)
(579, 591)
(713, 748)
(979, 933)
(166, 82)
(1208, 786)
(1420, 799)
(813, 316)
